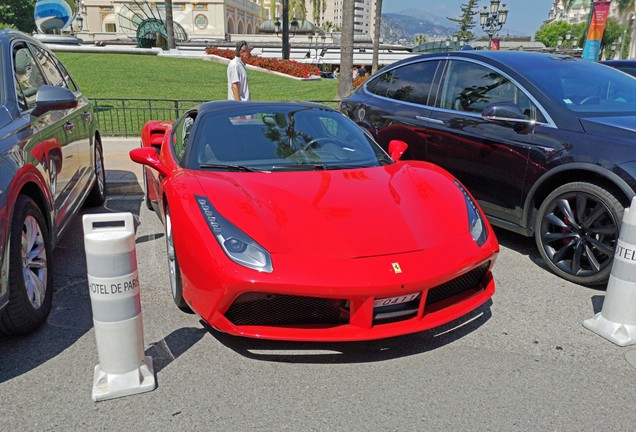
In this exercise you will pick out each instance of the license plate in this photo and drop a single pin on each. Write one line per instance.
(390, 301)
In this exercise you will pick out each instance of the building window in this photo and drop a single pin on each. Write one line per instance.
(110, 28)
(201, 21)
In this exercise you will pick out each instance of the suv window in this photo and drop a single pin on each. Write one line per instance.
(28, 76)
(380, 84)
(413, 82)
(471, 87)
(48, 67)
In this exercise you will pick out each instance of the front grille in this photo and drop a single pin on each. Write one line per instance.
(465, 282)
(265, 309)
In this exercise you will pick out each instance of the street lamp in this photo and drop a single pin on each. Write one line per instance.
(559, 42)
(284, 28)
(492, 21)
(318, 37)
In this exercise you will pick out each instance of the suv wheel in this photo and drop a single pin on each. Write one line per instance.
(576, 231)
(30, 291)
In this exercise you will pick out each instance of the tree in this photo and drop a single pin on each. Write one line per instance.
(613, 31)
(328, 26)
(625, 5)
(319, 7)
(419, 39)
(18, 14)
(548, 34)
(466, 21)
(376, 36)
(345, 83)
(169, 24)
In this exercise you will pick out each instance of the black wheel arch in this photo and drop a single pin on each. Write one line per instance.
(574, 172)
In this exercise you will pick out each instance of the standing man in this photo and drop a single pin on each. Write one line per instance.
(237, 85)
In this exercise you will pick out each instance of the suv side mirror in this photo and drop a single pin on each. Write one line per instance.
(50, 98)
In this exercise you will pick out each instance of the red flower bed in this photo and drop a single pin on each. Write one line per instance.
(358, 81)
(288, 67)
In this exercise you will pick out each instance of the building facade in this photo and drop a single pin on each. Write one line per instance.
(116, 19)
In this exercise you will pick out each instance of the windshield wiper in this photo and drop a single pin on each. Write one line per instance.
(301, 167)
(230, 167)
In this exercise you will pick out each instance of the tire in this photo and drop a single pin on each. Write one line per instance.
(576, 231)
(146, 198)
(30, 275)
(176, 285)
(97, 195)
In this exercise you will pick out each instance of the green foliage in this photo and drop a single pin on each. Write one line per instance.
(154, 77)
(18, 14)
(549, 34)
(466, 21)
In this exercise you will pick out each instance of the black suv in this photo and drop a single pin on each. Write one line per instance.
(545, 142)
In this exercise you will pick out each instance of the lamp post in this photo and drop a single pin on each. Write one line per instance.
(559, 43)
(492, 21)
(320, 42)
(282, 30)
(628, 25)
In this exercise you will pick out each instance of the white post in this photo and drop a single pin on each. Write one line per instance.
(113, 283)
(617, 320)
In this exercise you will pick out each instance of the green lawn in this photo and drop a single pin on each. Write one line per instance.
(155, 77)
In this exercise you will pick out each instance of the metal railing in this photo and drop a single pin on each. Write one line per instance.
(126, 117)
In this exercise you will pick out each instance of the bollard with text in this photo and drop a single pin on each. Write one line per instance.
(111, 262)
(617, 319)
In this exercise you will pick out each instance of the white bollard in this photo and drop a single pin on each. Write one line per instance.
(111, 262)
(617, 319)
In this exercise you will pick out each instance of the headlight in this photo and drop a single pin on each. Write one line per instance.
(237, 245)
(476, 224)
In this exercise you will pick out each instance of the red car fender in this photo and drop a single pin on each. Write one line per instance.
(153, 134)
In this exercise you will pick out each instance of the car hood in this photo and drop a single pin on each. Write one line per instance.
(620, 127)
(397, 208)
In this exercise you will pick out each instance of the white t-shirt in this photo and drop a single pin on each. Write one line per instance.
(236, 73)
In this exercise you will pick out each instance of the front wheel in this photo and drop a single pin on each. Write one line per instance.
(30, 284)
(576, 231)
(173, 266)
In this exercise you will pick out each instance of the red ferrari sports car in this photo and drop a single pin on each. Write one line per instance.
(287, 221)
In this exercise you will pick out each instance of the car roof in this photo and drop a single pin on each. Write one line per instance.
(217, 106)
(502, 57)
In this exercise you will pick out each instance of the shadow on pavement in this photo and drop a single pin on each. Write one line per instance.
(171, 347)
(71, 315)
(355, 352)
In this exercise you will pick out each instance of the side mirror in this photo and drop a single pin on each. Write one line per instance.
(505, 111)
(49, 98)
(397, 149)
(149, 156)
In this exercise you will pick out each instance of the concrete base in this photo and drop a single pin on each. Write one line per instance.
(111, 386)
(620, 334)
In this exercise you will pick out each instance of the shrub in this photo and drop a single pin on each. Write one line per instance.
(288, 67)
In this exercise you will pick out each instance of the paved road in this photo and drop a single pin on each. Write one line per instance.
(522, 362)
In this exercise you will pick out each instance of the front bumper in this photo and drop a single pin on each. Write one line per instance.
(333, 300)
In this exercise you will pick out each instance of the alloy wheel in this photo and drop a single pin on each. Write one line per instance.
(34, 264)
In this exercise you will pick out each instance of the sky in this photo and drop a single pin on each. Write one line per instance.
(524, 17)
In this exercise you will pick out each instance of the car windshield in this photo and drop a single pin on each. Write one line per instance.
(584, 86)
(282, 138)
